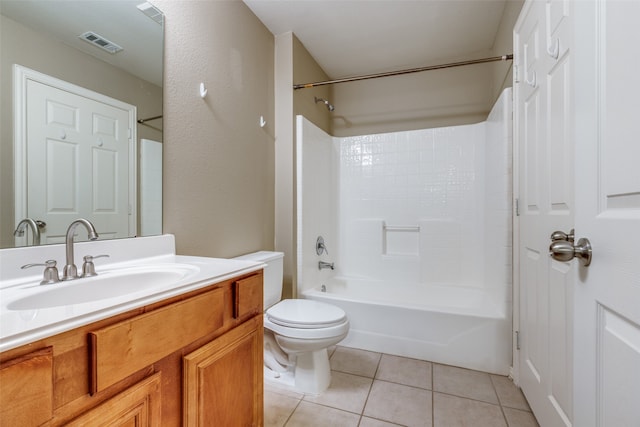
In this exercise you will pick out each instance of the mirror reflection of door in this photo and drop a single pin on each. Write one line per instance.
(79, 158)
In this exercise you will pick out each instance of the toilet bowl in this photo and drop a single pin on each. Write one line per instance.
(304, 329)
(297, 333)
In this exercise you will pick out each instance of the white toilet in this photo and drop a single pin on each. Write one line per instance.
(297, 332)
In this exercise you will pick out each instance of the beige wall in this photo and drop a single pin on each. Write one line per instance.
(218, 162)
(293, 64)
(414, 101)
(503, 71)
(50, 57)
(428, 99)
(306, 70)
(285, 215)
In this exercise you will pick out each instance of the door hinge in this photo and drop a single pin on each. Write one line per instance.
(517, 203)
(517, 340)
(516, 78)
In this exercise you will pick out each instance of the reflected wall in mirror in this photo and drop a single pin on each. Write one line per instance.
(43, 36)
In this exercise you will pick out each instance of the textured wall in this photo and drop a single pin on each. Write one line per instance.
(218, 162)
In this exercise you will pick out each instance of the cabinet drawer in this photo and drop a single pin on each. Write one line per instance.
(247, 296)
(124, 348)
(26, 389)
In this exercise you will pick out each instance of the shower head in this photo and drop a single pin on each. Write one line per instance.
(325, 102)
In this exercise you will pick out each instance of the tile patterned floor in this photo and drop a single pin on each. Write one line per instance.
(379, 390)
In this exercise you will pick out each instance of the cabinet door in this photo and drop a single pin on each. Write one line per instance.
(223, 379)
(138, 406)
(26, 389)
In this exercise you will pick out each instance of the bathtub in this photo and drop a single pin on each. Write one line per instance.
(460, 326)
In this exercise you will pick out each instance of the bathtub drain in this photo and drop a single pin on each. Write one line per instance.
(323, 288)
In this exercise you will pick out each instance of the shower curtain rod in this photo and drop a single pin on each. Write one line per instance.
(142, 121)
(409, 71)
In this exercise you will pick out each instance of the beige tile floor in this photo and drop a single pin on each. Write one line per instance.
(376, 390)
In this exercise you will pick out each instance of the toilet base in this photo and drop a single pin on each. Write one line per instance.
(311, 374)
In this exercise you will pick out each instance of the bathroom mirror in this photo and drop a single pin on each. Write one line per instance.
(74, 41)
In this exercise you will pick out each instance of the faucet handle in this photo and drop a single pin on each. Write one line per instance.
(320, 246)
(88, 268)
(50, 275)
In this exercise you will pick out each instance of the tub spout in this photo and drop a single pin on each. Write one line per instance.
(322, 264)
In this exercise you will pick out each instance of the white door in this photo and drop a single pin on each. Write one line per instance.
(607, 293)
(545, 198)
(78, 161)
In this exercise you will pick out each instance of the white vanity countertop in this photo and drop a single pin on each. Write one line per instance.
(19, 327)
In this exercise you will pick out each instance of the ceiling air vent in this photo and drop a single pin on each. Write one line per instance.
(151, 11)
(100, 41)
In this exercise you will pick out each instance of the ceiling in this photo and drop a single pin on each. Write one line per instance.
(357, 37)
(119, 21)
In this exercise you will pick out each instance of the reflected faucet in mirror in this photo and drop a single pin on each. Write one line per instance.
(70, 271)
(133, 77)
(35, 229)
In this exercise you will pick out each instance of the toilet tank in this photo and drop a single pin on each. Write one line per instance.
(272, 274)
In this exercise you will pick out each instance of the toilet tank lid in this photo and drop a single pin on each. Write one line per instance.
(261, 256)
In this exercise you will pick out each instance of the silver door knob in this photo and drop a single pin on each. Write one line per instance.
(561, 235)
(564, 250)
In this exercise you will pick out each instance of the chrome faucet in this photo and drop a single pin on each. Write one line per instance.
(35, 230)
(70, 271)
(322, 264)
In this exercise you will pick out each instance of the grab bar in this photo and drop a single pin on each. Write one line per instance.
(401, 227)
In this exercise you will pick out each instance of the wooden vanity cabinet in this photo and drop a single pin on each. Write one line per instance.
(26, 389)
(194, 359)
(223, 379)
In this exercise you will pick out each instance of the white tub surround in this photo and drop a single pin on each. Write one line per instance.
(418, 221)
(458, 326)
(21, 326)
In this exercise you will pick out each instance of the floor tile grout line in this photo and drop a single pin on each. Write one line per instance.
(292, 412)
(370, 388)
(495, 390)
(433, 397)
(465, 397)
(374, 378)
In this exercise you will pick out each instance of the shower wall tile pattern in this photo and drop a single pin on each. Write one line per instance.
(424, 206)
(423, 181)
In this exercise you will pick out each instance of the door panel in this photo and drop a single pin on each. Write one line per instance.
(618, 360)
(560, 151)
(78, 162)
(545, 165)
(607, 378)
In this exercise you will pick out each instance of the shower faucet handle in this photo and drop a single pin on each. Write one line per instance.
(320, 246)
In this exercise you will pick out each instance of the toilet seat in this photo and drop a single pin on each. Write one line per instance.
(306, 314)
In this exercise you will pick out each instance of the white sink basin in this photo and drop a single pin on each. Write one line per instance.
(109, 284)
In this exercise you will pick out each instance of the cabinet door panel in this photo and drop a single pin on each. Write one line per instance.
(138, 406)
(223, 379)
(26, 389)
